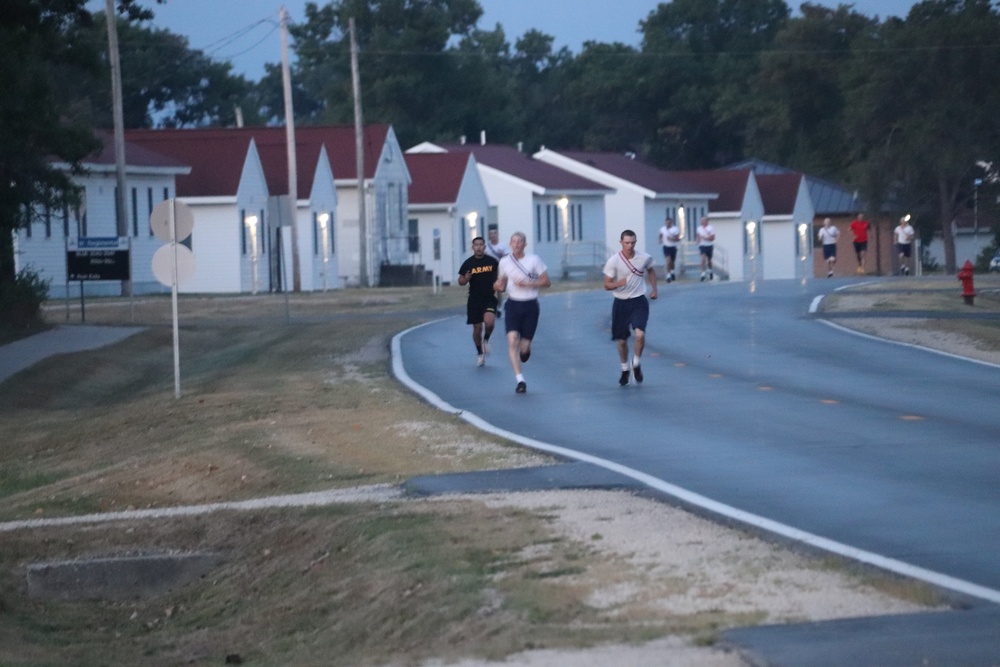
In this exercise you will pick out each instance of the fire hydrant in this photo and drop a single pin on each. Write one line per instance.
(965, 275)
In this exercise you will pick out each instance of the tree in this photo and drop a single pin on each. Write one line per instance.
(39, 124)
(702, 56)
(795, 112)
(407, 76)
(921, 110)
(166, 83)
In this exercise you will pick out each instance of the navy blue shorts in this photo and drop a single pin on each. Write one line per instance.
(627, 314)
(829, 250)
(522, 317)
(670, 251)
(706, 250)
(903, 249)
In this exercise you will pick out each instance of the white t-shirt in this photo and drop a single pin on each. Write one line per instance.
(904, 234)
(669, 236)
(829, 235)
(529, 267)
(499, 250)
(705, 234)
(617, 267)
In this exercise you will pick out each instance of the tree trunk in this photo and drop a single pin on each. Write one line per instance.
(947, 235)
(8, 273)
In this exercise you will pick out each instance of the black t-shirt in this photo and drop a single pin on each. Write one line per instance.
(484, 274)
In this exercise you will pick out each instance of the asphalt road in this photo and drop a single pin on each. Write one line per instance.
(754, 409)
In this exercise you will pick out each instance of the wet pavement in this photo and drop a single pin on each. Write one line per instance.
(756, 412)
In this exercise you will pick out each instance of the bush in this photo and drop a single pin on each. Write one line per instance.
(21, 301)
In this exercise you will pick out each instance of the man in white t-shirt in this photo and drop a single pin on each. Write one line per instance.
(705, 234)
(670, 236)
(626, 274)
(828, 236)
(904, 243)
(521, 275)
(494, 247)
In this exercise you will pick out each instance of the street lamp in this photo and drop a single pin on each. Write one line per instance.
(251, 223)
(323, 219)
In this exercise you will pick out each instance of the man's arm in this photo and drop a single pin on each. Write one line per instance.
(651, 279)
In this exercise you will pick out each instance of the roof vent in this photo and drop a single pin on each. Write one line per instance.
(482, 138)
(461, 140)
(630, 155)
(520, 147)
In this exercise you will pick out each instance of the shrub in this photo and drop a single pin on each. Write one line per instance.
(21, 301)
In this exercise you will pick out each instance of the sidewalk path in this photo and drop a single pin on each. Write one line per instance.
(26, 352)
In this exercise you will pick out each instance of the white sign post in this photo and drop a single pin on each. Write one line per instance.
(172, 221)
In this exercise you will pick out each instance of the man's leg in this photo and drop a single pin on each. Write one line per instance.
(623, 358)
(489, 322)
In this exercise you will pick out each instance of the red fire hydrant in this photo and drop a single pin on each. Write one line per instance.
(965, 275)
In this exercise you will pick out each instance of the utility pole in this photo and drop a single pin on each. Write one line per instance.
(359, 146)
(121, 210)
(293, 193)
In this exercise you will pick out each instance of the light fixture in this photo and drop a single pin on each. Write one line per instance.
(472, 217)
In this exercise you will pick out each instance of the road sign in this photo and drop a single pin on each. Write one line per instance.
(159, 220)
(164, 261)
(98, 258)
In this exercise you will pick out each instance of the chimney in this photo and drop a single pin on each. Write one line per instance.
(482, 138)
(461, 140)
(520, 147)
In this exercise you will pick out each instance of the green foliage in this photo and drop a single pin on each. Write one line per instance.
(21, 301)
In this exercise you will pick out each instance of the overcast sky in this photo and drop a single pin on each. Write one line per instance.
(245, 32)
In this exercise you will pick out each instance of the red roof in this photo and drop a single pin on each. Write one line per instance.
(216, 155)
(511, 161)
(779, 192)
(437, 177)
(135, 155)
(635, 171)
(731, 184)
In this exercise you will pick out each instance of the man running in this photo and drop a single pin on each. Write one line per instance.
(706, 246)
(479, 272)
(828, 235)
(521, 275)
(670, 236)
(626, 274)
(860, 227)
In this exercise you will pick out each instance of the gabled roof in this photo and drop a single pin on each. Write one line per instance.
(635, 171)
(828, 198)
(511, 161)
(437, 177)
(216, 155)
(779, 192)
(731, 184)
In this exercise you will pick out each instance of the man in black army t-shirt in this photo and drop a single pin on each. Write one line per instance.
(479, 272)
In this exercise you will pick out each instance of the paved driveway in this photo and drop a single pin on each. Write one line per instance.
(753, 408)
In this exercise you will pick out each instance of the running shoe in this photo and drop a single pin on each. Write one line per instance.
(703, 276)
(623, 380)
(481, 360)
(637, 372)
(525, 356)
(830, 274)
(521, 387)
(486, 346)
(906, 270)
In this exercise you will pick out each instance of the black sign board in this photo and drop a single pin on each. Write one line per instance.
(98, 258)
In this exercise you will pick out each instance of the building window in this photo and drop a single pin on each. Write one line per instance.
(65, 220)
(149, 205)
(135, 212)
(414, 238)
(48, 221)
(538, 223)
(243, 230)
